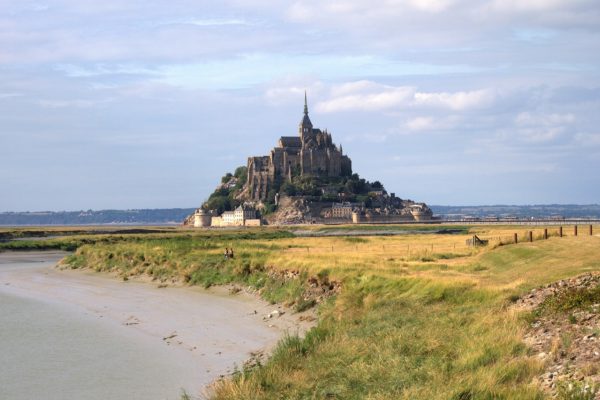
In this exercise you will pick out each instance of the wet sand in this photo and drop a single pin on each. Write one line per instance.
(208, 331)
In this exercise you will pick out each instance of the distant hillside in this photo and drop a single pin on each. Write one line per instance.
(174, 216)
(527, 211)
(168, 216)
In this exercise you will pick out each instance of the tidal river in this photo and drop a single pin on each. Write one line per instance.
(79, 335)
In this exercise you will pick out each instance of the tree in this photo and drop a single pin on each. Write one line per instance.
(226, 178)
(377, 185)
(289, 188)
(241, 173)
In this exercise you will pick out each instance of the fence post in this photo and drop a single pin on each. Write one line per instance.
(530, 236)
(516, 238)
(591, 230)
(545, 233)
(560, 231)
(575, 230)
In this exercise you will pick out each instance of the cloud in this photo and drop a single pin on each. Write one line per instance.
(588, 139)
(383, 99)
(420, 123)
(531, 119)
(10, 95)
(538, 127)
(458, 101)
(370, 96)
(209, 22)
(438, 123)
(542, 6)
(72, 103)
(291, 90)
(432, 6)
(99, 69)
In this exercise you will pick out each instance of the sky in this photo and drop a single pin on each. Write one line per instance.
(146, 104)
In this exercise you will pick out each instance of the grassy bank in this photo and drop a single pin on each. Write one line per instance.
(418, 317)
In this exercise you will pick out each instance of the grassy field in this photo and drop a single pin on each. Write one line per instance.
(419, 316)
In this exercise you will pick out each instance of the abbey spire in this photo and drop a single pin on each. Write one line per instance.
(306, 126)
(305, 104)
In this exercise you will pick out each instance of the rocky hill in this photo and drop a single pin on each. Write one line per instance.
(307, 178)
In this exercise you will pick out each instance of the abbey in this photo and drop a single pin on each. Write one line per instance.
(311, 153)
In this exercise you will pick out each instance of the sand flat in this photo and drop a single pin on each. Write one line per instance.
(210, 331)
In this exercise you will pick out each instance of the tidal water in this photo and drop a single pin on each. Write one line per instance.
(48, 351)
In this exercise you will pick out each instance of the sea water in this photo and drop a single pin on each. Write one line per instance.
(52, 352)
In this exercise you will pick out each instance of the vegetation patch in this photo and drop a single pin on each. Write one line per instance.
(565, 333)
(402, 327)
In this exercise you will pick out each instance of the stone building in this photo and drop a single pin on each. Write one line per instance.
(237, 217)
(202, 218)
(311, 153)
(342, 210)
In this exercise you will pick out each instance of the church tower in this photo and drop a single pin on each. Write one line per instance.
(306, 128)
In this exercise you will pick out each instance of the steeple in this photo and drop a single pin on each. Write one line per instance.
(305, 104)
(305, 128)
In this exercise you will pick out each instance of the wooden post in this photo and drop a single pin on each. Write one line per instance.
(560, 231)
(545, 233)
(530, 236)
(591, 230)
(516, 238)
(575, 230)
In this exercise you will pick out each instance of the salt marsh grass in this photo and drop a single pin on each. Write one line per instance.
(419, 316)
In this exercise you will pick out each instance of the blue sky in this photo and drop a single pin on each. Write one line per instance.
(145, 104)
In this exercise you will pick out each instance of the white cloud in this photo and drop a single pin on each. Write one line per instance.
(539, 128)
(386, 99)
(519, 6)
(433, 6)
(458, 101)
(370, 96)
(209, 22)
(532, 119)
(420, 123)
(10, 95)
(292, 91)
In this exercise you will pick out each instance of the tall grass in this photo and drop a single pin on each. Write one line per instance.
(418, 317)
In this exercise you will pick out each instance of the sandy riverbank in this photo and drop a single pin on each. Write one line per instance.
(211, 330)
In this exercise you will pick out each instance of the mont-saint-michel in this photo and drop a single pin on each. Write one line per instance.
(305, 179)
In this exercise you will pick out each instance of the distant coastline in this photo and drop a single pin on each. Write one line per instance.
(142, 217)
(175, 216)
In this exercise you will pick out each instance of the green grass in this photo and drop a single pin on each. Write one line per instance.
(432, 336)
(571, 299)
